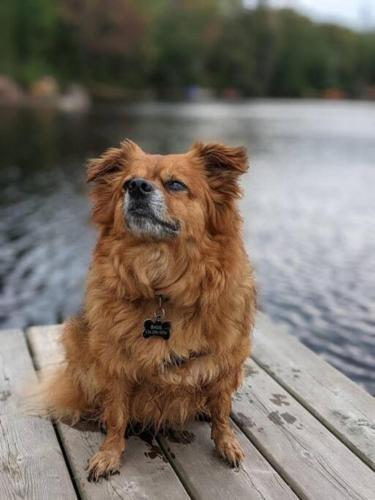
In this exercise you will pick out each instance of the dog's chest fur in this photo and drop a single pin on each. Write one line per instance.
(199, 295)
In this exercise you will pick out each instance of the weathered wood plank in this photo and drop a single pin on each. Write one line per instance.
(209, 478)
(306, 454)
(31, 462)
(146, 473)
(52, 354)
(344, 407)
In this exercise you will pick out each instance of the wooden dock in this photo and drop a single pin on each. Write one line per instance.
(308, 432)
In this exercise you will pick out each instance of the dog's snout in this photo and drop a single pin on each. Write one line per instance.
(139, 187)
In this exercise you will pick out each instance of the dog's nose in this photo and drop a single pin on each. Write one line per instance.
(139, 187)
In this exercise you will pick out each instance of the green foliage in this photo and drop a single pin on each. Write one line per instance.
(181, 39)
(169, 45)
(28, 30)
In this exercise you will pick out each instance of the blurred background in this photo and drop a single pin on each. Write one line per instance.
(293, 81)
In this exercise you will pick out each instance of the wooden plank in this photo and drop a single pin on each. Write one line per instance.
(305, 453)
(208, 477)
(145, 473)
(52, 355)
(32, 465)
(344, 407)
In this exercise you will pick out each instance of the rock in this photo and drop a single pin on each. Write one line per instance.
(10, 91)
(334, 94)
(46, 89)
(196, 93)
(75, 99)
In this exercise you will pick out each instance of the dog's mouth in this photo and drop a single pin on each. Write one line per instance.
(148, 219)
(148, 215)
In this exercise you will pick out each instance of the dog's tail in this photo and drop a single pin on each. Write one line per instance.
(63, 392)
(57, 394)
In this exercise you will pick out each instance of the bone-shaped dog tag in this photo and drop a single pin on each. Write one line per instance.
(157, 328)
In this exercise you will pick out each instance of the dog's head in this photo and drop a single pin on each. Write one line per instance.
(166, 197)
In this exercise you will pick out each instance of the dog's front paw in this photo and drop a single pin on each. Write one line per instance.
(103, 464)
(229, 448)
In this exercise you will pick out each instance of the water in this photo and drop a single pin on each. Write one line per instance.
(309, 210)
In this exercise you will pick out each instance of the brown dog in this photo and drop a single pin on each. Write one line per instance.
(170, 252)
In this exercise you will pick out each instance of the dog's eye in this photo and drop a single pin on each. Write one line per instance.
(174, 185)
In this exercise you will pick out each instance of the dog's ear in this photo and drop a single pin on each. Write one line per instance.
(111, 161)
(223, 165)
(102, 172)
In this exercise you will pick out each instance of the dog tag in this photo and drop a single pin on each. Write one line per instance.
(157, 328)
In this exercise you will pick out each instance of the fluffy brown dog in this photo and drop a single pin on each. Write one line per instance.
(169, 251)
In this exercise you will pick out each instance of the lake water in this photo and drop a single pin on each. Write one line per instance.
(309, 210)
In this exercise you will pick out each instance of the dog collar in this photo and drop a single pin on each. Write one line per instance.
(158, 326)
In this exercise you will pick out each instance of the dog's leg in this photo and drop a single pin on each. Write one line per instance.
(203, 416)
(220, 404)
(115, 417)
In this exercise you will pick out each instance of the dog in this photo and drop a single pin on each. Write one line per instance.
(169, 304)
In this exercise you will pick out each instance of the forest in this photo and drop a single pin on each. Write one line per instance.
(167, 46)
